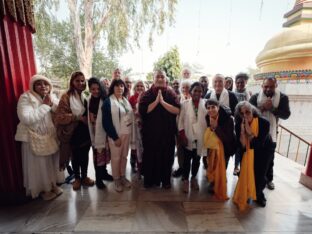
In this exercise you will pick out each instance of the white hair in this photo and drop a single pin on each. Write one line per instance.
(218, 76)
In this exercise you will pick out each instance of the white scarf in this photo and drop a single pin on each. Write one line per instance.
(224, 97)
(116, 107)
(76, 104)
(269, 115)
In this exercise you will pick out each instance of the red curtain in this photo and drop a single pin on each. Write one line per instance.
(17, 65)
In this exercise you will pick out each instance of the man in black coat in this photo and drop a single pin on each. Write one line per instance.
(274, 105)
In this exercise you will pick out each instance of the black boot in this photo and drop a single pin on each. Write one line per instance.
(105, 175)
(98, 178)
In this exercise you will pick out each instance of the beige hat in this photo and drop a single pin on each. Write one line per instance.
(37, 77)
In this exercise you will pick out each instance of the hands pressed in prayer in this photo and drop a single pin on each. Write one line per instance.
(47, 100)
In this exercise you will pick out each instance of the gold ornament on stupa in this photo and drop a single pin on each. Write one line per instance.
(288, 55)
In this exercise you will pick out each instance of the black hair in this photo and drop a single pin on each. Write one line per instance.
(241, 76)
(117, 82)
(73, 76)
(212, 102)
(196, 84)
(270, 78)
(94, 80)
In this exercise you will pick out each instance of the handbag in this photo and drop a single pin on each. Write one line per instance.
(42, 145)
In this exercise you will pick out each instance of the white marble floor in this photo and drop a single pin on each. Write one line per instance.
(289, 209)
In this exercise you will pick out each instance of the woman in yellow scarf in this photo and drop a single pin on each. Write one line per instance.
(254, 142)
(219, 139)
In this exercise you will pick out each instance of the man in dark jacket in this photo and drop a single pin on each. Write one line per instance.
(273, 104)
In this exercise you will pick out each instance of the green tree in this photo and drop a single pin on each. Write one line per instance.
(116, 24)
(55, 48)
(170, 63)
(149, 76)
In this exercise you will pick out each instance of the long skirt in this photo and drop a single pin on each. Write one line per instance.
(40, 173)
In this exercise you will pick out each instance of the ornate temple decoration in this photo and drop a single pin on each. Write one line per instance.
(288, 54)
(19, 10)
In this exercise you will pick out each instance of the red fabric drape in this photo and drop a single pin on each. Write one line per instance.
(17, 65)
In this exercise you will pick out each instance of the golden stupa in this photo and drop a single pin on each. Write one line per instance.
(288, 55)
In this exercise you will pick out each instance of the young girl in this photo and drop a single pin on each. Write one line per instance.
(97, 133)
(192, 125)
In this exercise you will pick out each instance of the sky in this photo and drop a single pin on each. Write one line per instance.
(222, 36)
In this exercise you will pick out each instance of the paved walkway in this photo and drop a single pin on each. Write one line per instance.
(289, 209)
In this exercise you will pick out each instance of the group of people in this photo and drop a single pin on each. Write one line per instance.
(212, 124)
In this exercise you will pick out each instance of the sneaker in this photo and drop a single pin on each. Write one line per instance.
(186, 185)
(271, 185)
(57, 190)
(47, 196)
(125, 182)
(118, 185)
(178, 172)
(76, 184)
(87, 182)
(194, 184)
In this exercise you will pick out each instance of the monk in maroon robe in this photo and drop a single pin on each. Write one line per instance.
(158, 108)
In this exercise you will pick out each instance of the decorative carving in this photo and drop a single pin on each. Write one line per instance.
(10, 7)
(29, 10)
(286, 75)
(19, 10)
(19, 4)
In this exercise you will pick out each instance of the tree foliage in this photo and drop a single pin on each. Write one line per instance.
(170, 63)
(55, 48)
(115, 24)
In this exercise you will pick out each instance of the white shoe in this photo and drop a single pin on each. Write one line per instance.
(47, 196)
(125, 182)
(118, 186)
(57, 190)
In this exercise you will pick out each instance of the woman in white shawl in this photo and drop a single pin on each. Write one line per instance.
(34, 111)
